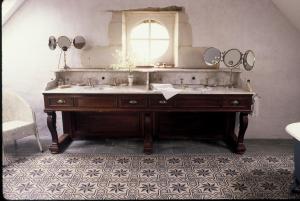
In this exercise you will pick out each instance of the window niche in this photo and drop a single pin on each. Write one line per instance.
(149, 36)
(177, 43)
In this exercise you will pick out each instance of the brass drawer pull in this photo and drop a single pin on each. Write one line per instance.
(235, 102)
(60, 101)
(133, 102)
(162, 102)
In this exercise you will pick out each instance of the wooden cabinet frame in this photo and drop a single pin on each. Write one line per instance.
(138, 115)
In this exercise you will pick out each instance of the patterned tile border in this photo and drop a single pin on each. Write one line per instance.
(157, 176)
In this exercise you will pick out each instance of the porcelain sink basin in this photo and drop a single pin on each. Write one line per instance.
(204, 90)
(115, 89)
(97, 87)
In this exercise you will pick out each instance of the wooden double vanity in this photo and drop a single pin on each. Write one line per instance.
(197, 112)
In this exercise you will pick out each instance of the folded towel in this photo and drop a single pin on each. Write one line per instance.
(161, 86)
(167, 90)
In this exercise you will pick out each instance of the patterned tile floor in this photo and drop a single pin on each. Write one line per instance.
(28, 146)
(157, 176)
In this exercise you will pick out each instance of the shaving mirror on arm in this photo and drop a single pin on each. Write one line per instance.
(65, 43)
(232, 58)
(212, 56)
(249, 60)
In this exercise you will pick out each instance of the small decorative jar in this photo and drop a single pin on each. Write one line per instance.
(130, 79)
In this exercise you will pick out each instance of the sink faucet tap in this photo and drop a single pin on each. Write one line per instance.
(60, 82)
(115, 81)
(148, 81)
(90, 83)
(206, 83)
(181, 82)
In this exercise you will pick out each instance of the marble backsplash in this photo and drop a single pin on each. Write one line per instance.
(116, 77)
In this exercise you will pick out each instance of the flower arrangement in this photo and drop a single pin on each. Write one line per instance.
(123, 62)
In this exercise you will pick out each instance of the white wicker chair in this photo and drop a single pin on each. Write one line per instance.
(18, 120)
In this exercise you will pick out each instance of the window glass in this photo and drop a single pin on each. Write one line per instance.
(159, 32)
(158, 48)
(140, 51)
(140, 31)
(149, 41)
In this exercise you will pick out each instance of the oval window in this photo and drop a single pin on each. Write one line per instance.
(149, 41)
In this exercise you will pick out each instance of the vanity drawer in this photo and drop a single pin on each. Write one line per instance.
(103, 101)
(59, 101)
(158, 101)
(196, 101)
(242, 102)
(133, 101)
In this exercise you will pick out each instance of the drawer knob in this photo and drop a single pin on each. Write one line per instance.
(235, 102)
(133, 102)
(60, 101)
(162, 102)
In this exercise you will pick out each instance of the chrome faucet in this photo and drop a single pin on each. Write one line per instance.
(206, 82)
(148, 81)
(90, 83)
(115, 81)
(181, 83)
(60, 82)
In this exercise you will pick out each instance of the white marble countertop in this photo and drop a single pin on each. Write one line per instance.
(142, 89)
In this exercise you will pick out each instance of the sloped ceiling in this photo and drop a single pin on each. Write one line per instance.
(9, 7)
(291, 9)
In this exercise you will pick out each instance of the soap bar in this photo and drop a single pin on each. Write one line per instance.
(64, 86)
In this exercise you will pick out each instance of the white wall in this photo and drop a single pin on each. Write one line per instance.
(242, 24)
(290, 8)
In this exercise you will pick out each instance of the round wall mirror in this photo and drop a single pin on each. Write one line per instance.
(249, 60)
(79, 42)
(232, 58)
(64, 42)
(212, 56)
(52, 43)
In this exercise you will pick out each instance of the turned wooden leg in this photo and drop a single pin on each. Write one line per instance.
(240, 149)
(51, 122)
(231, 138)
(148, 143)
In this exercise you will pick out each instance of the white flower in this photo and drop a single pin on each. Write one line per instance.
(127, 61)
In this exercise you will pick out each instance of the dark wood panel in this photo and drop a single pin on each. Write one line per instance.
(132, 101)
(198, 101)
(93, 124)
(158, 101)
(103, 101)
(59, 101)
(203, 125)
(237, 101)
